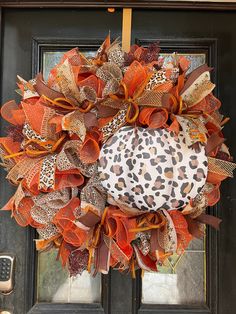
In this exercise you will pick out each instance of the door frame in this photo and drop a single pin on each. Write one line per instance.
(31, 254)
(41, 45)
(142, 4)
(209, 47)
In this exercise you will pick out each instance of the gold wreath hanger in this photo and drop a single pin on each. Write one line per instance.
(126, 27)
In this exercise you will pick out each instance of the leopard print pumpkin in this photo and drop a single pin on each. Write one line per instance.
(149, 169)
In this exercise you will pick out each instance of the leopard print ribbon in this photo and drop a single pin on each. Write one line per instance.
(198, 86)
(68, 159)
(47, 172)
(94, 193)
(47, 205)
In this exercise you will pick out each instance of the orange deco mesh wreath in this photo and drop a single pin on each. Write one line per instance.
(115, 158)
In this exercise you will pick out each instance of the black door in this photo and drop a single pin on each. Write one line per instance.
(211, 33)
(33, 39)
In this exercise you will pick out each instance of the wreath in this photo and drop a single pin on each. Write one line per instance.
(116, 158)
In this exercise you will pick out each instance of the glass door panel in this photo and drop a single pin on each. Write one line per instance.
(182, 278)
(53, 282)
(55, 285)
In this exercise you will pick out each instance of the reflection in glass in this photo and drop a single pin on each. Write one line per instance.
(196, 59)
(52, 58)
(55, 285)
(180, 281)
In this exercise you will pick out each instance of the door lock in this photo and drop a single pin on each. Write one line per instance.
(7, 265)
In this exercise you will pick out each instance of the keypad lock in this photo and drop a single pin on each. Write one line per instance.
(7, 265)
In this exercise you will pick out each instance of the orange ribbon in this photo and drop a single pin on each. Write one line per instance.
(114, 225)
(34, 152)
(96, 237)
(174, 98)
(132, 101)
(42, 244)
(133, 268)
(150, 221)
(98, 229)
(132, 104)
(67, 104)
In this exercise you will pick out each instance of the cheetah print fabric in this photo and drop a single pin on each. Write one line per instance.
(47, 173)
(151, 169)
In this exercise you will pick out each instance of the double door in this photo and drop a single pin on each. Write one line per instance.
(203, 279)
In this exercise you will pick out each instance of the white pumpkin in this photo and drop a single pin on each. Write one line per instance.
(149, 169)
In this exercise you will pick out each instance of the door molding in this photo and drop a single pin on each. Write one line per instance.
(70, 308)
(188, 45)
(209, 47)
(39, 46)
(144, 4)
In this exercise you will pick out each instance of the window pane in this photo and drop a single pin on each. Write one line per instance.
(196, 59)
(183, 284)
(52, 58)
(182, 279)
(55, 285)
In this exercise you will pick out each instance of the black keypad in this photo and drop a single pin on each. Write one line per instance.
(5, 269)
